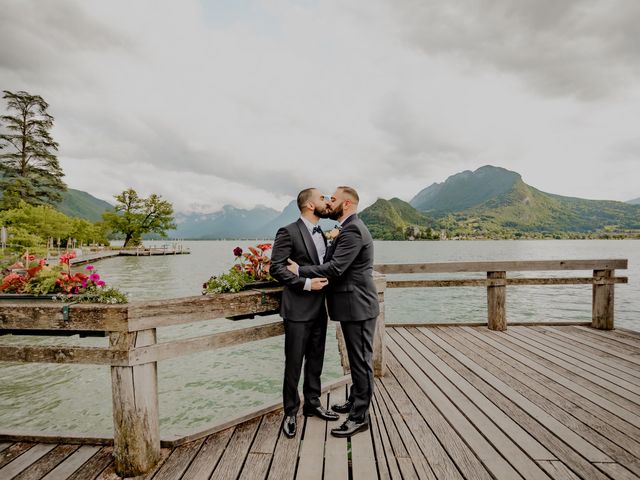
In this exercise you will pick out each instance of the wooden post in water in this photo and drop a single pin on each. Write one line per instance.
(379, 345)
(496, 299)
(135, 407)
(602, 301)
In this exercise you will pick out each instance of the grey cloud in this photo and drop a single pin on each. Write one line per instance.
(125, 140)
(36, 37)
(582, 48)
(417, 146)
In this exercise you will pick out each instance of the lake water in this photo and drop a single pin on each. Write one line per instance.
(199, 389)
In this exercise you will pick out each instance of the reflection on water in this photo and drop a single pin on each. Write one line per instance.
(200, 388)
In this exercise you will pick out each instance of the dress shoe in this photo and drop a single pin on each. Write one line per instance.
(320, 411)
(349, 428)
(289, 426)
(342, 407)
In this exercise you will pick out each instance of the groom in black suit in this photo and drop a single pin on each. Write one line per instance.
(303, 308)
(353, 301)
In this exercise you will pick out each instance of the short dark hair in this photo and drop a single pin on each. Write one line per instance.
(351, 192)
(304, 196)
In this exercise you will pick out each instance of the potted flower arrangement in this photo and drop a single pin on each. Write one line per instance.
(250, 270)
(32, 279)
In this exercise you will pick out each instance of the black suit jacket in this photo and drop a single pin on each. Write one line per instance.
(298, 305)
(351, 294)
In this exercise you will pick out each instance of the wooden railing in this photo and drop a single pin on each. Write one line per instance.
(134, 351)
(603, 281)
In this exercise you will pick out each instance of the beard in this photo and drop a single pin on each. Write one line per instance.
(336, 213)
(321, 213)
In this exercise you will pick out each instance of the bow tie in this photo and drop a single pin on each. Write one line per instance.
(316, 229)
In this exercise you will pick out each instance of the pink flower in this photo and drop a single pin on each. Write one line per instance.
(89, 267)
(101, 283)
(94, 277)
(84, 284)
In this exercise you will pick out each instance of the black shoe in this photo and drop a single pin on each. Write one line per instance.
(349, 428)
(342, 407)
(320, 411)
(289, 426)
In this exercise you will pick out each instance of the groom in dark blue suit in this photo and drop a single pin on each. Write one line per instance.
(303, 308)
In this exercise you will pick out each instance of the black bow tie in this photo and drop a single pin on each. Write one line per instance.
(316, 229)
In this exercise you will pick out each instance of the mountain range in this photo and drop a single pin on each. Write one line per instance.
(232, 223)
(490, 202)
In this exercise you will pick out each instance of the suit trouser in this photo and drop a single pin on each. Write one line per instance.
(303, 341)
(358, 337)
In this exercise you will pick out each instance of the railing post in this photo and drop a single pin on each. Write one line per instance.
(496, 299)
(135, 407)
(602, 301)
(379, 344)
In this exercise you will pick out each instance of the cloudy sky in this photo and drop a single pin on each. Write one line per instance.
(246, 102)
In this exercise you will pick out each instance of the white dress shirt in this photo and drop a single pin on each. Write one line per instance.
(318, 241)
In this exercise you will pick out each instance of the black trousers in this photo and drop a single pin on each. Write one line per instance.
(303, 342)
(358, 337)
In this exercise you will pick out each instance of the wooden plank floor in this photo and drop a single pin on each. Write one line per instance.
(559, 402)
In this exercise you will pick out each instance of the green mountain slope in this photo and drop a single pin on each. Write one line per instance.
(635, 201)
(493, 202)
(497, 203)
(395, 220)
(77, 203)
(526, 209)
(465, 190)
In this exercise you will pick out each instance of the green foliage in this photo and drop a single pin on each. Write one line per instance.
(29, 226)
(108, 295)
(44, 282)
(230, 282)
(135, 216)
(28, 163)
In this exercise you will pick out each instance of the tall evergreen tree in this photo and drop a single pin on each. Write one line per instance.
(29, 167)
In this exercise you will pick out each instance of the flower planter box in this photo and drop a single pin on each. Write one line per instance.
(26, 297)
(263, 284)
(256, 286)
(49, 298)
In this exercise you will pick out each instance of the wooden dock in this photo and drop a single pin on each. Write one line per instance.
(474, 402)
(137, 252)
(536, 402)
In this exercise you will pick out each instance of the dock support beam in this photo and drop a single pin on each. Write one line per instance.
(135, 408)
(379, 345)
(602, 303)
(496, 300)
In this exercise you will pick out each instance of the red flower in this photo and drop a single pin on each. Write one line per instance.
(64, 259)
(237, 251)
